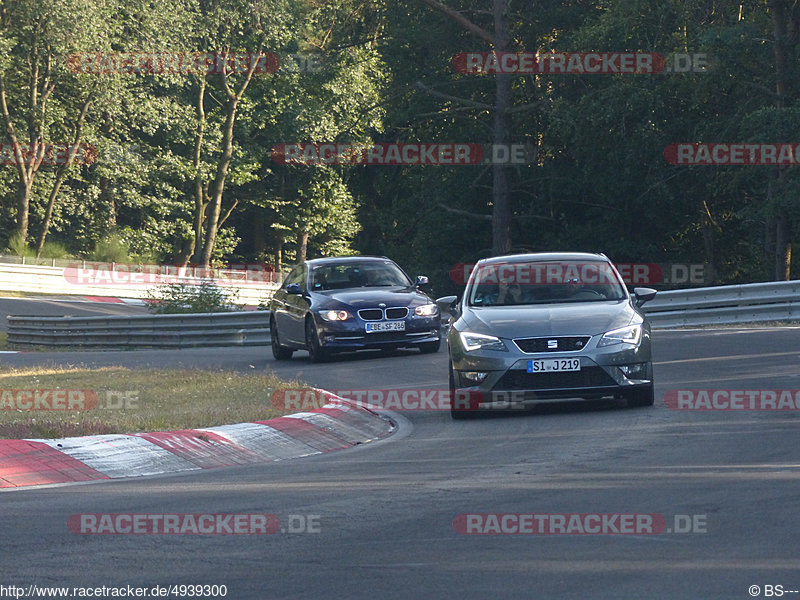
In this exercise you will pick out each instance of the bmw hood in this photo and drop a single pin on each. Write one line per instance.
(366, 297)
(584, 318)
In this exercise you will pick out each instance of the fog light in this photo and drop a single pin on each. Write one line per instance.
(473, 376)
(637, 371)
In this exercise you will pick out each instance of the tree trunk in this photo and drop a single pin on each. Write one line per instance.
(259, 235)
(215, 202)
(61, 174)
(22, 201)
(769, 238)
(199, 188)
(28, 166)
(218, 186)
(783, 249)
(105, 185)
(302, 246)
(710, 275)
(48, 215)
(501, 208)
(501, 195)
(783, 244)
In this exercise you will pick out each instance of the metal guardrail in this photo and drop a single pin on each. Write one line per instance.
(726, 305)
(247, 328)
(749, 303)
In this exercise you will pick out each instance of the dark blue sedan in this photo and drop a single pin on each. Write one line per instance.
(351, 303)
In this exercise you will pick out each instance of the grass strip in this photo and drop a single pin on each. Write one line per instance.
(133, 400)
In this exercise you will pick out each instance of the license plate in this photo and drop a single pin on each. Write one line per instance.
(554, 364)
(386, 326)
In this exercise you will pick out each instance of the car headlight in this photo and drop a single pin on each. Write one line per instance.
(335, 315)
(479, 341)
(624, 335)
(426, 310)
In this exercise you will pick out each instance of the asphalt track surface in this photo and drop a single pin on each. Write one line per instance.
(386, 509)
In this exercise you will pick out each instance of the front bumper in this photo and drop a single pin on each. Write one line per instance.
(352, 335)
(605, 372)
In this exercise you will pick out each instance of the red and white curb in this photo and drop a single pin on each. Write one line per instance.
(338, 425)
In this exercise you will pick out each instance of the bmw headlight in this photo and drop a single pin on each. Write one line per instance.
(624, 335)
(335, 315)
(426, 310)
(479, 341)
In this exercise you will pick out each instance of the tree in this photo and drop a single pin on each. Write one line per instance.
(36, 41)
(233, 26)
(501, 203)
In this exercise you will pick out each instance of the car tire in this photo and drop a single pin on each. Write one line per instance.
(459, 414)
(315, 351)
(644, 396)
(430, 347)
(278, 351)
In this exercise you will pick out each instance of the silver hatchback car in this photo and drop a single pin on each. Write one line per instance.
(544, 327)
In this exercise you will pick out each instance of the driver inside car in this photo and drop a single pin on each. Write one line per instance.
(509, 293)
(376, 278)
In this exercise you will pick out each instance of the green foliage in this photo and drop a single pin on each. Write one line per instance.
(53, 249)
(179, 298)
(111, 248)
(18, 247)
(598, 180)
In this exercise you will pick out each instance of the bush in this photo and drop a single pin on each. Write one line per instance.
(18, 247)
(55, 250)
(111, 248)
(176, 298)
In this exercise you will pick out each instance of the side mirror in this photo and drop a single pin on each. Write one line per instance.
(421, 280)
(643, 295)
(293, 288)
(448, 304)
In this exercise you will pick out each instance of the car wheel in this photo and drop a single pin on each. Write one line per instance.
(315, 351)
(430, 347)
(641, 396)
(278, 351)
(460, 412)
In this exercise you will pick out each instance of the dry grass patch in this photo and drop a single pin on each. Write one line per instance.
(136, 400)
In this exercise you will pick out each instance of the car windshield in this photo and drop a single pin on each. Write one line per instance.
(357, 275)
(508, 284)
